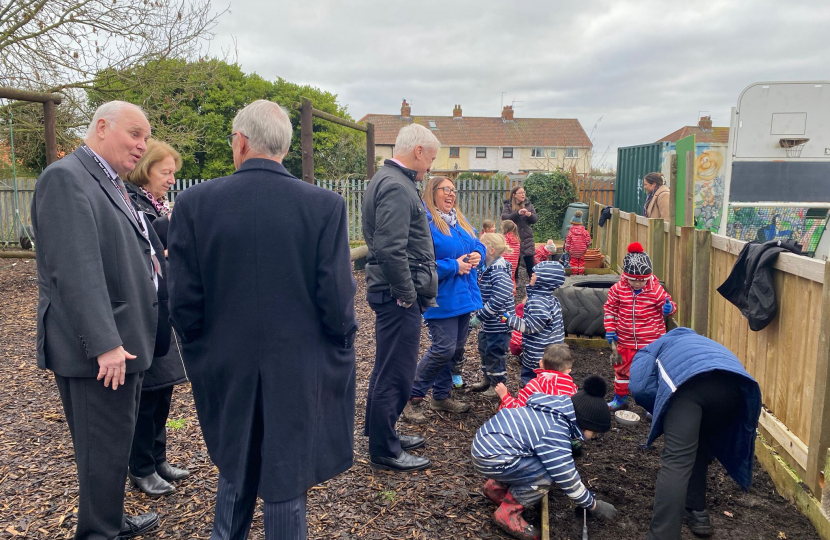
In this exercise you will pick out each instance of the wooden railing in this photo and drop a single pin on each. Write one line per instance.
(788, 358)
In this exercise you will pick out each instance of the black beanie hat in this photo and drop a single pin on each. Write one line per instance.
(637, 263)
(589, 405)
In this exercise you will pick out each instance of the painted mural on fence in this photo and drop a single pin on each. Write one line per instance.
(764, 223)
(709, 185)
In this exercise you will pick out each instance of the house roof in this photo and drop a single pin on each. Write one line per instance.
(715, 135)
(486, 131)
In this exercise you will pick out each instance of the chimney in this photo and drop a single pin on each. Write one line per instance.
(507, 113)
(406, 110)
(705, 123)
(456, 111)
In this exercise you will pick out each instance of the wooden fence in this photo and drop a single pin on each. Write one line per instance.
(788, 358)
(599, 190)
(479, 199)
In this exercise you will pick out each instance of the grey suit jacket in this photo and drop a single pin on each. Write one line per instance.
(94, 279)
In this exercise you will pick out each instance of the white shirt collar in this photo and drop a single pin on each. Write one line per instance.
(110, 170)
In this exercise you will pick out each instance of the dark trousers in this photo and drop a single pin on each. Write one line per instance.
(397, 336)
(150, 438)
(101, 421)
(701, 410)
(492, 348)
(434, 371)
(528, 260)
(234, 512)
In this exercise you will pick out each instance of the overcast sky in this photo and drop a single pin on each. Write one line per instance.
(644, 67)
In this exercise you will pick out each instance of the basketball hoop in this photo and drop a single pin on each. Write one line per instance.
(793, 147)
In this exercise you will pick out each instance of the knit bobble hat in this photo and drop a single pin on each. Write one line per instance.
(589, 405)
(577, 219)
(637, 264)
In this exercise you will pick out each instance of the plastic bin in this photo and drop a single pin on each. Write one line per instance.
(569, 213)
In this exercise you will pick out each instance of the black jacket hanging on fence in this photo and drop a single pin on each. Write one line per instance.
(749, 285)
(604, 216)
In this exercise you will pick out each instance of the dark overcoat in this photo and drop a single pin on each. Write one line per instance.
(167, 368)
(525, 225)
(262, 294)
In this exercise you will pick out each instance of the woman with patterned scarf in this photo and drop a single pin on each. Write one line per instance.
(147, 186)
(457, 254)
(657, 202)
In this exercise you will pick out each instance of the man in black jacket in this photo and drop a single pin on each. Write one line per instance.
(401, 283)
(97, 308)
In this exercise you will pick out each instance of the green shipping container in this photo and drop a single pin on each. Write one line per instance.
(633, 163)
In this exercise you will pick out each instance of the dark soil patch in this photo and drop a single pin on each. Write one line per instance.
(39, 491)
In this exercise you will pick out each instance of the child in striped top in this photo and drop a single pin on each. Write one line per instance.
(552, 378)
(542, 322)
(523, 451)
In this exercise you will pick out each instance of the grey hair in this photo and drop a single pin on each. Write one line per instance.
(412, 136)
(109, 111)
(267, 126)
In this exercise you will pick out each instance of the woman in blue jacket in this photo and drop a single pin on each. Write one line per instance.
(704, 404)
(457, 253)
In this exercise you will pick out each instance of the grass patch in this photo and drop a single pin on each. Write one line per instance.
(176, 423)
(388, 496)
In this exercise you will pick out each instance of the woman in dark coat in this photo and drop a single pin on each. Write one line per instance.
(147, 186)
(520, 211)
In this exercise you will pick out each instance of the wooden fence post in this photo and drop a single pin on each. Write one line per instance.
(700, 281)
(545, 518)
(671, 278)
(49, 123)
(614, 232)
(820, 420)
(685, 271)
(690, 189)
(632, 230)
(656, 249)
(370, 150)
(307, 140)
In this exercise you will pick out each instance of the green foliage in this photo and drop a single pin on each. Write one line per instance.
(191, 105)
(550, 194)
(388, 496)
(176, 423)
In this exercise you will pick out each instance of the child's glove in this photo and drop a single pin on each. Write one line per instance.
(604, 510)
(667, 308)
(611, 337)
(503, 317)
(616, 359)
(576, 447)
(475, 322)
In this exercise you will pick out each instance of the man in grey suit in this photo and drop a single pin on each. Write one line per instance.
(97, 309)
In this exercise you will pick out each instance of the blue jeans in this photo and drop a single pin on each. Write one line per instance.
(492, 348)
(434, 371)
(527, 374)
(527, 482)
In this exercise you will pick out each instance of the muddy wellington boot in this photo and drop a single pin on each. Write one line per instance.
(413, 411)
(481, 385)
(699, 522)
(495, 491)
(449, 405)
(509, 518)
(618, 403)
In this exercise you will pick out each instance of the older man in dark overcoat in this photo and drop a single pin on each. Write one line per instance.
(262, 293)
(98, 308)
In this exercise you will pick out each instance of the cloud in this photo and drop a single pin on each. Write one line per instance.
(645, 67)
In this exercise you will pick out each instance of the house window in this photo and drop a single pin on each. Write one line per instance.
(552, 152)
(454, 151)
(571, 152)
(481, 152)
(537, 152)
(507, 153)
(432, 124)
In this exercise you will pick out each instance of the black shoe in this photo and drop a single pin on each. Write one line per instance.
(152, 485)
(171, 473)
(481, 385)
(699, 522)
(402, 463)
(138, 525)
(411, 442)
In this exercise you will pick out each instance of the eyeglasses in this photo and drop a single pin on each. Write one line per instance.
(230, 137)
(448, 190)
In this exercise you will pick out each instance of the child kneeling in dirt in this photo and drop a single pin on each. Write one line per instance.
(497, 296)
(634, 315)
(542, 323)
(523, 451)
(552, 378)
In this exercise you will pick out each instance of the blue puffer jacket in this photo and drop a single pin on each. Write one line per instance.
(457, 295)
(662, 367)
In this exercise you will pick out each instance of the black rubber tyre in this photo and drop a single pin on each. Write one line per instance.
(582, 298)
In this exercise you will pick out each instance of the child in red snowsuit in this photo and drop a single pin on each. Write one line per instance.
(511, 235)
(552, 378)
(516, 336)
(634, 315)
(577, 243)
(544, 252)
